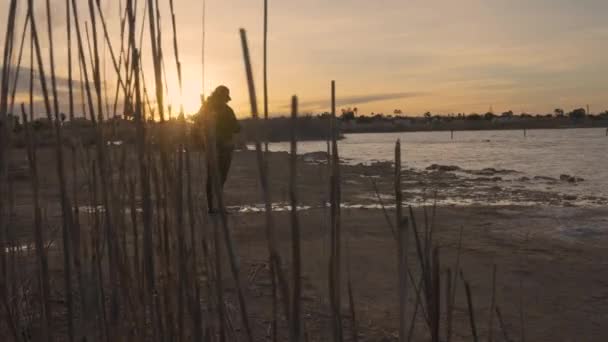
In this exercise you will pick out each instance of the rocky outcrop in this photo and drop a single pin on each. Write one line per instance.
(490, 171)
(314, 157)
(444, 168)
(570, 179)
(545, 178)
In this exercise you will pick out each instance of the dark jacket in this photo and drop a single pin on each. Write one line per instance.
(226, 124)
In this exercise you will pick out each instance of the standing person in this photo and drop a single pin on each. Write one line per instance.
(217, 115)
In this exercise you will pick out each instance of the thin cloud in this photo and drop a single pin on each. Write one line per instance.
(24, 79)
(356, 100)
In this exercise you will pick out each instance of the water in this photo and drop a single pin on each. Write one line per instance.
(548, 152)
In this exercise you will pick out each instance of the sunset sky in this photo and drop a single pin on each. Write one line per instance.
(415, 55)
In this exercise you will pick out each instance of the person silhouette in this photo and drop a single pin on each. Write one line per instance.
(220, 126)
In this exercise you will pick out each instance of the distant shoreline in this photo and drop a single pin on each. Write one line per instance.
(474, 129)
(310, 128)
(471, 126)
(317, 128)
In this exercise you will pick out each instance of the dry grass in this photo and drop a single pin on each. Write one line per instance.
(156, 273)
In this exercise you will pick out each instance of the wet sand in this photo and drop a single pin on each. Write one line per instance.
(549, 250)
(550, 253)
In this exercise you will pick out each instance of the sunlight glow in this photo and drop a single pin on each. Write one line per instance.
(191, 98)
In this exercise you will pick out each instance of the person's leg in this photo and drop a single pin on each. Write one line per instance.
(209, 187)
(225, 161)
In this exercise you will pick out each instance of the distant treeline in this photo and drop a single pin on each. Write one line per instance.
(318, 127)
(397, 122)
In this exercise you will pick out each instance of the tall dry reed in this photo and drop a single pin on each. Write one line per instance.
(148, 260)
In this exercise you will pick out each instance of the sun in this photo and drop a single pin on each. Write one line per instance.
(190, 99)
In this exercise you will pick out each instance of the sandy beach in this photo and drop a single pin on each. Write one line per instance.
(551, 262)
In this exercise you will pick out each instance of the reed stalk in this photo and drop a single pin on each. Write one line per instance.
(59, 156)
(351, 302)
(115, 63)
(335, 239)
(7, 56)
(16, 79)
(182, 261)
(420, 250)
(492, 307)
(266, 76)
(203, 23)
(43, 266)
(76, 221)
(296, 333)
(123, 61)
(4, 147)
(402, 234)
(417, 304)
(223, 223)
(195, 307)
(503, 328)
(221, 314)
(275, 319)
(388, 220)
(470, 308)
(96, 259)
(271, 238)
(178, 63)
(11, 320)
(86, 30)
(351, 297)
(105, 178)
(448, 304)
(454, 283)
(83, 64)
(436, 296)
(156, 55)
(65, 202)
(144, 176)
(31, 84)
(522, 320)
(135, 229)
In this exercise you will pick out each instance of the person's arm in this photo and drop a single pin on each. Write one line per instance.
(236, 127)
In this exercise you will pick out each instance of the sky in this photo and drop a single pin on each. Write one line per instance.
(441, 56)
